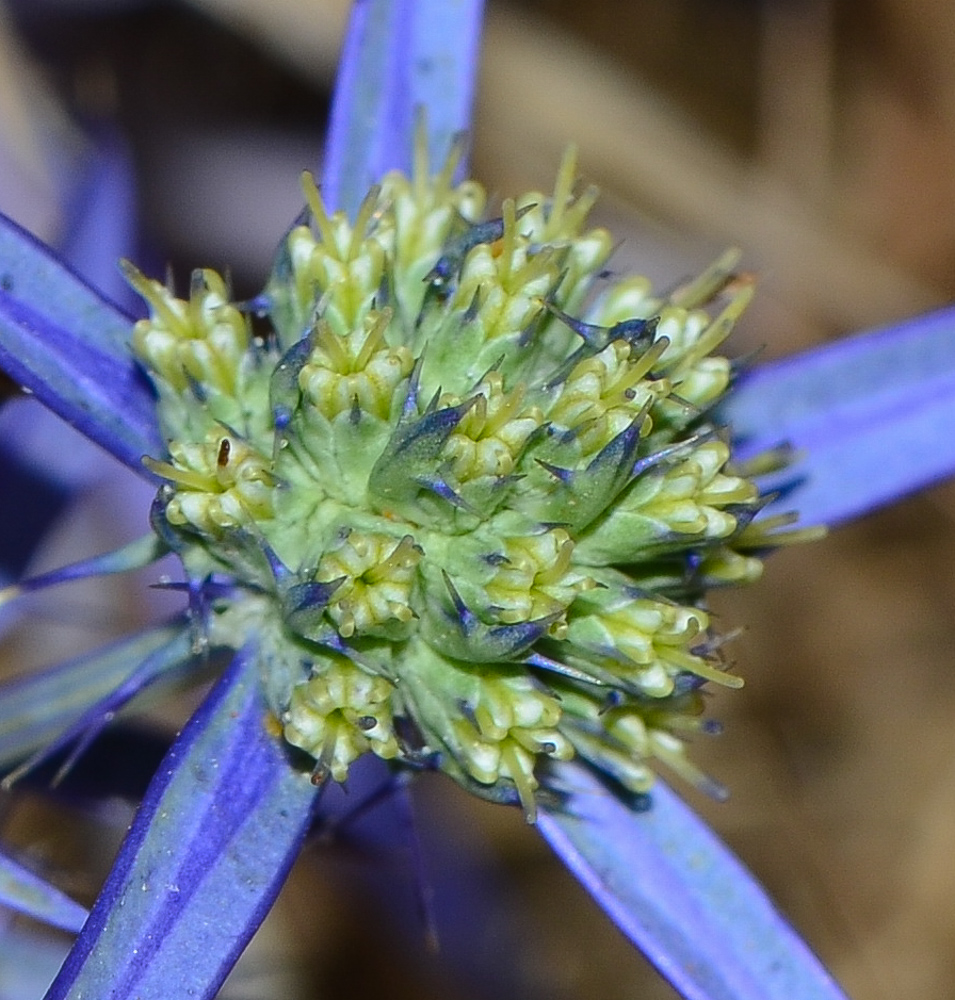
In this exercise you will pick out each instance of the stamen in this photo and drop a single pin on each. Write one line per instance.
(319, 212)
(701, 289)
(563, 189)
(524, 782)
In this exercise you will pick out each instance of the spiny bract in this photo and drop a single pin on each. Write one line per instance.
(461, 488)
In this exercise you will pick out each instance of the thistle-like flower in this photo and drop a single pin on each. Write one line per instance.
(450, 495)
(462, 486)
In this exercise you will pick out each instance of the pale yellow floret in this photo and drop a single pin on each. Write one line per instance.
(221, 483)
(629, 740)
(204, 339)
(537, 578)
(357, 368)
(625, 299)
(697, 378)
(699, 386)
(505, 730)
(682, 329)
(605, 393)
(339, 714)
(402, 227)
(345, 268)
(510, 283)
(492, 434)
(688, 498)
(646, 631)
(425, 206)
(378, 574)
(631, 769)
(651, 642)
(557, 220)
(726, 566)
(715, 331)
(777, 530)
(300, 246)
(669, 749)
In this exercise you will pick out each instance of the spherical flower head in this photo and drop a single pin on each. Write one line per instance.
(462, 486)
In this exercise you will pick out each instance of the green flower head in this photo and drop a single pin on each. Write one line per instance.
(460, 483)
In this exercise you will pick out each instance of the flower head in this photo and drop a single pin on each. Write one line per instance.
(461, 484)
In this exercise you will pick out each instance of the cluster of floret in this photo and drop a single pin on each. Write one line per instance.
(459, 486)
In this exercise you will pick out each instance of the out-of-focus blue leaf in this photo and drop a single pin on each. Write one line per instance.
(424, 877)
(165, 662)
(871, 416)
(204, 859)
(28, 961)
(43, 461)
(26, 892)
(680, 895)
(36, 709)
(68, 345)
(118, 764)
(46, 466)
(30, 502)
(101, 219)
(136, 555)
(399, 55)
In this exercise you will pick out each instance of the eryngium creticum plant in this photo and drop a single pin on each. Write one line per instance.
(468, 511)
(478, 540)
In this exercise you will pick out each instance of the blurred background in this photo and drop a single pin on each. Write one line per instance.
(819, 135)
